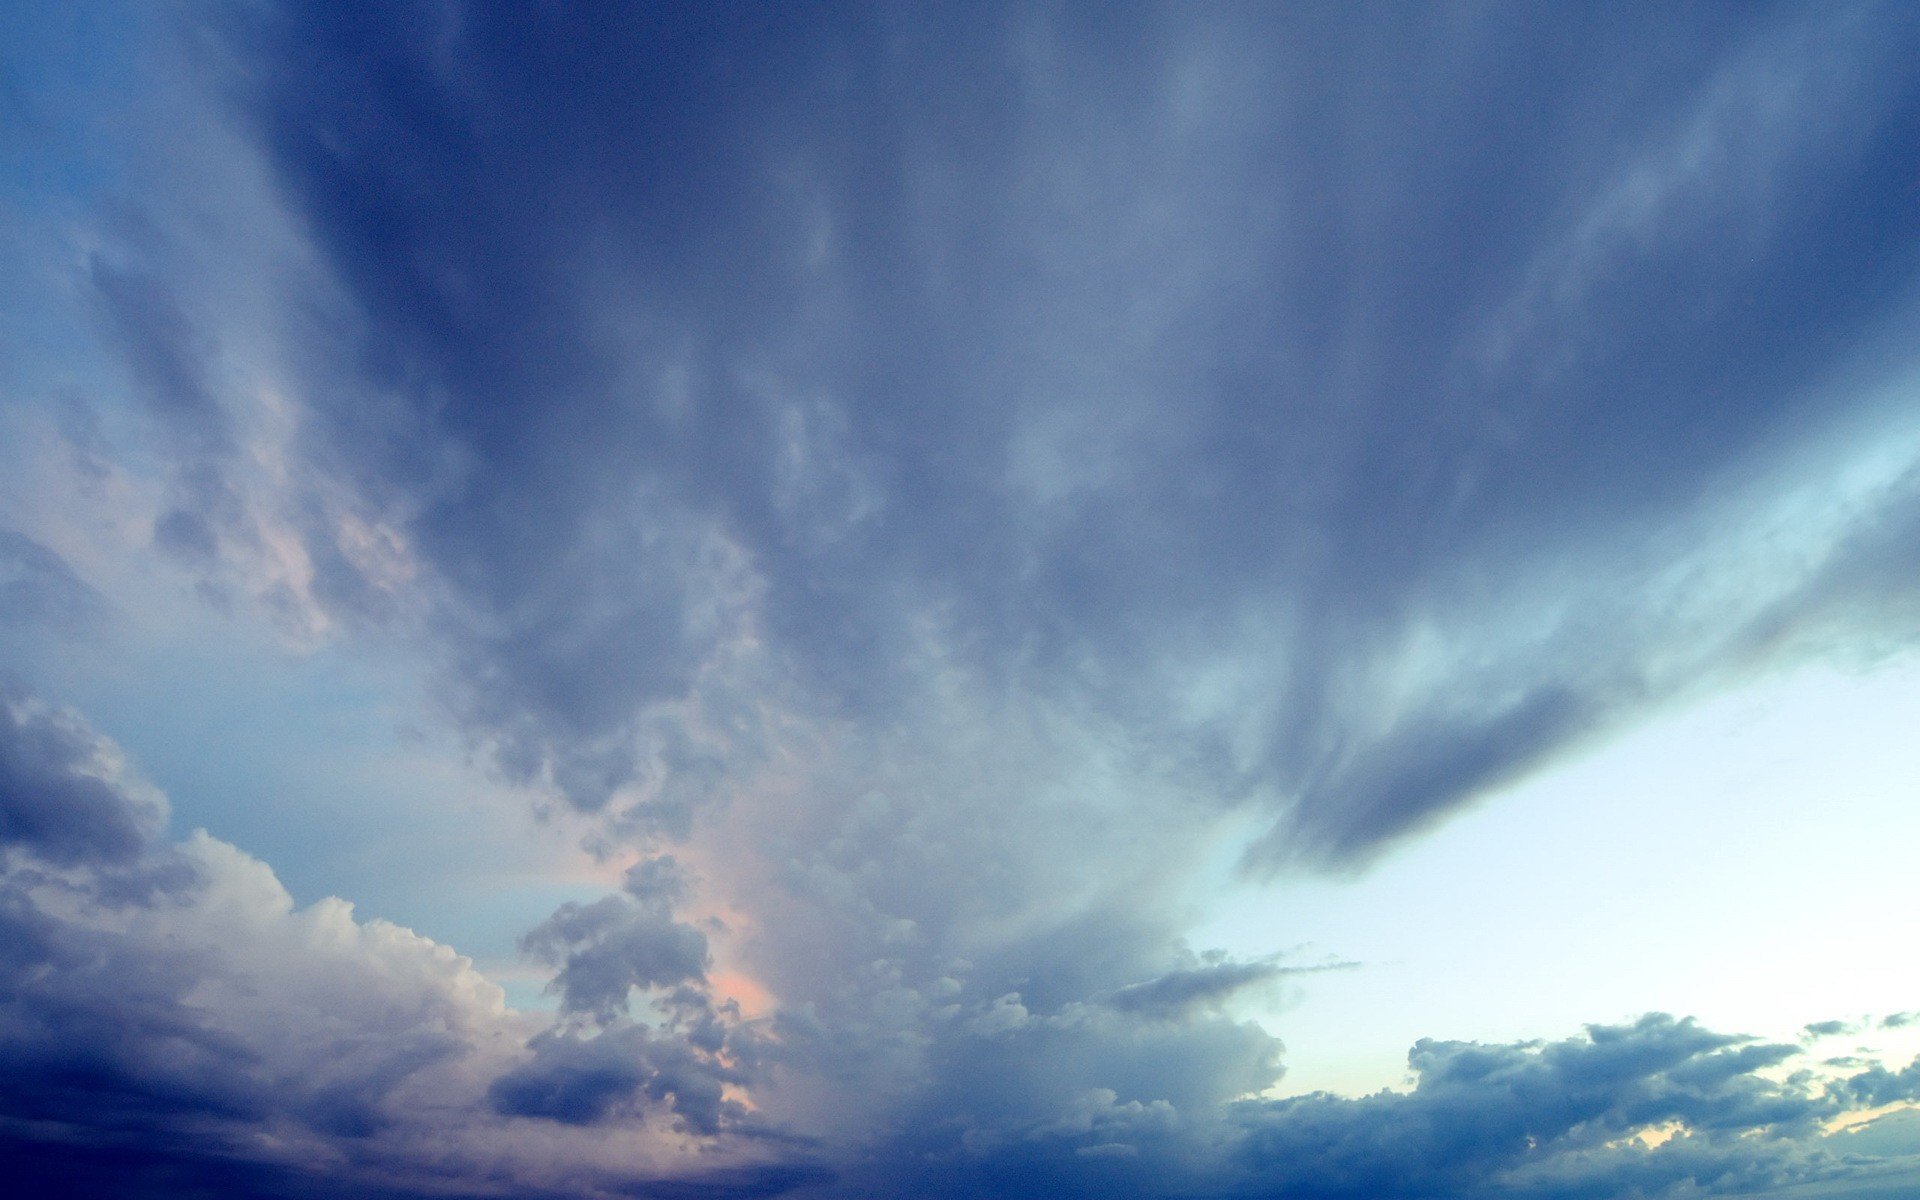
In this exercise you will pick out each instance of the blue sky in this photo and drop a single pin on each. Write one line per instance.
(1033, 600)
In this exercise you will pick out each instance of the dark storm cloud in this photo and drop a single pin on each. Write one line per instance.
(59, 799)
(98, 1029)
(98, 1033)
(581, 1080)
(1154, 382)
(143, 1170)
(955, 317)
(947, 459)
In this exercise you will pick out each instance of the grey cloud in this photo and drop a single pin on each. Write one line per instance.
(38, 586)
(1213, 979)
(99, 1019)
(79, 425)
(167, 1014)
(608, 948)
(171, 360)
(1382, 788)
(187, 535)
(583, 1079)
(599, 1063)
(616, 505)
(1658, 1108)
(573, 1080)
(658, 883)
(336, 1032)
(1876, 1085)
(1554, 1119)
(165, 350)
(1011, 442)
(62, 794)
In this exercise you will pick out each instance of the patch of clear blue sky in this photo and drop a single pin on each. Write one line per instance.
(321, 763)
(66, 72)
(1743, 859)
(317, 762)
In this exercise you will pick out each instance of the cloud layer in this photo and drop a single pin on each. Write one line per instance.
(920, 486)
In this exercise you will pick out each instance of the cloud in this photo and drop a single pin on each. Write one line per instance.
(203, 1031)
(583, 1078)
(1659, 1107)
(599, 1061)
(941, 479)
(38, 586)
(658, 454)
(1876, 1085)
(170, 1019)
(606, 949)
(166, 354)
(1213, 978)
(63, 793)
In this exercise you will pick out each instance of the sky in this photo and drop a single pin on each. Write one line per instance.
(1301, 602)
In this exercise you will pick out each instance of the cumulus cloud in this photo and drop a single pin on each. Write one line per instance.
(606, 949)
(171, 1020)
(171, 1016)
(1659, 1107)
(685, 1050)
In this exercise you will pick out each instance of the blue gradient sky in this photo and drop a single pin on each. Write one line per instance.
(1034, 600)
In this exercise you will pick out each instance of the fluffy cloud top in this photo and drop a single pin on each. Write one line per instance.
(171, 1022)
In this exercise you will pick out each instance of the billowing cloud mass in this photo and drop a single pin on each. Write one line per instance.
(914, 488)
(171, 1024)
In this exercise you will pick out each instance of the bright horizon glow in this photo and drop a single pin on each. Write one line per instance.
(1639, 858)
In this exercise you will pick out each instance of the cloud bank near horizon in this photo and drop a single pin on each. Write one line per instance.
(173, 1023)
